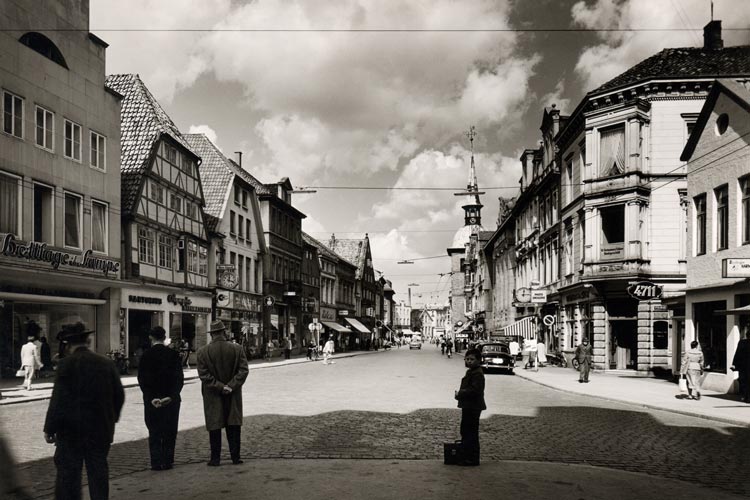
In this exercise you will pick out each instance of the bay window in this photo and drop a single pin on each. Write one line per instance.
(166, 251)
(145, 245)
(612, 151)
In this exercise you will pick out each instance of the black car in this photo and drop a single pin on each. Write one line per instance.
(496, 356)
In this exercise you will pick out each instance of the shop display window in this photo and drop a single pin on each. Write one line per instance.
(711, 332)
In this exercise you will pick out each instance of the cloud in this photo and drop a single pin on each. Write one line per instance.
(205, 130)
(556, 97)
(618, 51)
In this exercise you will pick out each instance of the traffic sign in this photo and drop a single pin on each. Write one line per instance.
(548, 320)
(269, 301)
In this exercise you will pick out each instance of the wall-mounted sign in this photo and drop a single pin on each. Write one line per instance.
(223, 298)
(326, 313)
(645, 290)
(182, 301)
(538, 296)
(245, 302)
(42, 253)
(735, 268)
(139, 299)
(343, 312)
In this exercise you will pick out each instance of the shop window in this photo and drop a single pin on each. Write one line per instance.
(745, 210)
(722, 217)
(612, 151)
(10, 205)
(72, 141)
(166, 251)
(13, 114)
(73, 220)
(711, 332)
(99, 226)
(145, 245)
(661, 334)
(45, 128)
(613, 232)
(98, 153)
(43, 214)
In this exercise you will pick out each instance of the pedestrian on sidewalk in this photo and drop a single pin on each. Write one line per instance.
(583, 355)
(222, 368)
(741, 364)
(45, 354)
(30, 361)
(86, 402)
(288, 348)
(161, 379)
(470, 398)
(442, 345)
(328, 350)
(448, 347)
(692, 369)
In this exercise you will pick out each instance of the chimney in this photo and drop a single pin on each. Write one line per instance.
(712, 36)
(332, 242)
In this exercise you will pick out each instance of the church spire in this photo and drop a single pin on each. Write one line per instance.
(472, 206)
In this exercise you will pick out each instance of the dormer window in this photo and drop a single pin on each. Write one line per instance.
(43, 45)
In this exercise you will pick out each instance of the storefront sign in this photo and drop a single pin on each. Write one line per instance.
(645, 290)
(224, 298)
(735, 268)
(139, 299)
(197, 309)
(327, 314)
(182, 301)
(56, 258)
(343, 312)
(538, 296)
(246, 302)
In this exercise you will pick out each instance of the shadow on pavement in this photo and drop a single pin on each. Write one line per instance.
(635, 441)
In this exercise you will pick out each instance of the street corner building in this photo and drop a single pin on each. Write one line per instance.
(60, 256)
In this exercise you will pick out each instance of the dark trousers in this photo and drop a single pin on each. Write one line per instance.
(470, 433)
(744, 381)
(69, 458)
(287, 354)
(584, 368)
(162, 432)
(233, 437)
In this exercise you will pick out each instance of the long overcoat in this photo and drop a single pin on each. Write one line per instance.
(222, 363)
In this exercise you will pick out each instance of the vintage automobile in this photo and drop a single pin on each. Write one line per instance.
(415, 343)
(496, 356)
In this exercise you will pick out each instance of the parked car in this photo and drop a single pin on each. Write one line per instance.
(496, 356)
(415, 344)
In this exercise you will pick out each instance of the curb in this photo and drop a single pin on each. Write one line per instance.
(133, 382)
(723, 420)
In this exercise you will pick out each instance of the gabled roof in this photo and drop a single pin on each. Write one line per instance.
(352, 250)
(143, 122)
(322, 249)
(686, 62)
(735, 91)
(215, 172)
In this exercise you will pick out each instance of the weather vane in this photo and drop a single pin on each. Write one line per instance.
(471, 134)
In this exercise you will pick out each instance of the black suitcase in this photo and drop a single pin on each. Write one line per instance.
(453, 453)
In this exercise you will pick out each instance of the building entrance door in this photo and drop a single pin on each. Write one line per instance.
(623, 344)
(139, 325)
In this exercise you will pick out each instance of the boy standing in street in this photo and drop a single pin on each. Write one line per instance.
(471, 401)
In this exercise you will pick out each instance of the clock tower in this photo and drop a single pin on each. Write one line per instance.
(472, 206)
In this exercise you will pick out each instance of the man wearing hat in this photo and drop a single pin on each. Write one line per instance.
(222, 368)
(161, 379)
(85, 404)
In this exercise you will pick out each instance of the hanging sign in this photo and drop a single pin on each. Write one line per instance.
(645, 290)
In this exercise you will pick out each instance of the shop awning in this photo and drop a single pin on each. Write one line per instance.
(336, 326)
(736, 311)
(55, 299)
(525, 328)
(408, 332)
(357, 325)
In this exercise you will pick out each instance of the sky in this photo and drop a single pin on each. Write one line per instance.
(379, 94)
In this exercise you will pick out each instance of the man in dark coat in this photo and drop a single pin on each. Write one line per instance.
(470, 398)
(86, 402)
(222, 368)
(160, 378)
(741, 364)
(583, 355)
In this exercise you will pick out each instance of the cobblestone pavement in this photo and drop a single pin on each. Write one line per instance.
(399, 405)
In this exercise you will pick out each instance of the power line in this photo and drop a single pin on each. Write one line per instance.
(364, 30)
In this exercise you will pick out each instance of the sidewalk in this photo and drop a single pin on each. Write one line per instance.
(14, 393)
(629, 387)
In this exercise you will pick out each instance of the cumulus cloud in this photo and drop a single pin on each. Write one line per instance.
(620, 50)
(205, 130)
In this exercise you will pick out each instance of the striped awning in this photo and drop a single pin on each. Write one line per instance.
(357, 325)
(525, 328)
(336, 326)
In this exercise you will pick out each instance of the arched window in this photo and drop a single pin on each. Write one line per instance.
(43, 45)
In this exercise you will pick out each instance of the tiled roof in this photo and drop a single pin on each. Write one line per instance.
(688, 62)
(211, 222)
(216, 175)
(350, 250)
(320, 246)
(485, 235)
(143, 121)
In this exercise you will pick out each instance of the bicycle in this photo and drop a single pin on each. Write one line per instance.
(313, 353)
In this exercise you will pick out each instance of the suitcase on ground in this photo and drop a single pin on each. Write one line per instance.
(453, 453)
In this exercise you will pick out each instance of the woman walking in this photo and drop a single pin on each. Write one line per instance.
(692, 369)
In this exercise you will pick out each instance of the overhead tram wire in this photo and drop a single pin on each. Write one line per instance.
(367, 30)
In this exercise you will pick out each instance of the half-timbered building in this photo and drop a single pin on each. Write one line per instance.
(165, 245)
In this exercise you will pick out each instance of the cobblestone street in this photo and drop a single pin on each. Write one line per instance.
(399, 405)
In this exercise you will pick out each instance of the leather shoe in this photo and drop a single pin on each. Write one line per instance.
(238, 461)
(213, 463)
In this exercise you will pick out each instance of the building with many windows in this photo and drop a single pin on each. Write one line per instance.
(717, 298)
(165, 243)
(235, 259)
(59, 179)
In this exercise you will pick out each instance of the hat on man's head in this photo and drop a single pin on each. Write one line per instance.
(76, 332)
(217, 326)
(158, 333)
